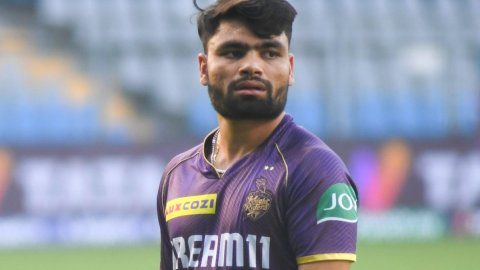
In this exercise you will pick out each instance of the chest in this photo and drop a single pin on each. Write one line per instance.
(245, 200)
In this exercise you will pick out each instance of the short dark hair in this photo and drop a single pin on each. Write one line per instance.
(265, 18)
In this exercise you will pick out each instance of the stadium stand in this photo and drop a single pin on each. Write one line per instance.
(370, 69)
(46, 99)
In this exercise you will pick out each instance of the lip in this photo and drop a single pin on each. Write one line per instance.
(250, 86)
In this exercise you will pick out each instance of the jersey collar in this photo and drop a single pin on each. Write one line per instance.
(208, 170)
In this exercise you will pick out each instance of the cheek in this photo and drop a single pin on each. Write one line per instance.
(216, 77)
(281, 74)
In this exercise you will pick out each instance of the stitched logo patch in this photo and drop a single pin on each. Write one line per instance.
(258, 202)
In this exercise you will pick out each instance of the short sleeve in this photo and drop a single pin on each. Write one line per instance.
(322, 209)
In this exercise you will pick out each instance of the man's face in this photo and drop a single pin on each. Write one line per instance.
(247, 76)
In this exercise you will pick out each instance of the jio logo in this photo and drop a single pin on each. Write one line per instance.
(345, 201)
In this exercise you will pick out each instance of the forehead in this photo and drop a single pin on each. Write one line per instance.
(231, 30)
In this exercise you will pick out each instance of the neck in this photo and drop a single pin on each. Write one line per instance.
(239, 138)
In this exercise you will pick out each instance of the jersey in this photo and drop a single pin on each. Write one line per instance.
(289, 202)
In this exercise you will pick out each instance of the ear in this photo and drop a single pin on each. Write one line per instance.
(291, 79)
(202, 65)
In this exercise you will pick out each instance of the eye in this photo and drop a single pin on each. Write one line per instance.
(233, 54)
(271, 54)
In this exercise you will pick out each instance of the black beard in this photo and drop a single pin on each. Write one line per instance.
(248, 107)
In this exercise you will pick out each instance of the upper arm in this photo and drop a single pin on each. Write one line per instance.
(326, 265)
(322, 213)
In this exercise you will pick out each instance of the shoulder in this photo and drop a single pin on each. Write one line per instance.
(182, 159)
(176, 162)
(311, 159)
(307, 148)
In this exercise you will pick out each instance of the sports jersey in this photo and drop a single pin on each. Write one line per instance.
(289, 202)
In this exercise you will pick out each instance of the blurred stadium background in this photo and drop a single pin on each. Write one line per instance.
(96, 95)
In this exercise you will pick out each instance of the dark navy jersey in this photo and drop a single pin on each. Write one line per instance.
(289, 202)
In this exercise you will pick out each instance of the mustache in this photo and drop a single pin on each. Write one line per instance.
(234, 84)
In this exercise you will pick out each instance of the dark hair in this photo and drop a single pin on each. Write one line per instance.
(265, 18)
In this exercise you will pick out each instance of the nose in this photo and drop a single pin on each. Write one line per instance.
(251, 64)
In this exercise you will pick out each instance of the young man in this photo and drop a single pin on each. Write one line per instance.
(260, 192)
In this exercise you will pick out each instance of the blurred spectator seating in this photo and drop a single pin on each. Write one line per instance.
(369, 69)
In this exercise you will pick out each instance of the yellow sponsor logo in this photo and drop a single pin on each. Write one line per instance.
(192, 205)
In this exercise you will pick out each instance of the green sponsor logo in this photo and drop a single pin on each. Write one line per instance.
(339, 202)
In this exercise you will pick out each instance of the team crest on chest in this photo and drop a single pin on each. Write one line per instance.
(258, 202)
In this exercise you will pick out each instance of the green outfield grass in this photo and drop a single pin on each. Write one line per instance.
(448, 254)
(439, 255)
(119, 258)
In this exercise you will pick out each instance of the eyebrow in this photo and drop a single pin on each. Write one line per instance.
(270, 44)
(233, 44)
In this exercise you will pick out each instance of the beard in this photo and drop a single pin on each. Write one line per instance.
(235, 107)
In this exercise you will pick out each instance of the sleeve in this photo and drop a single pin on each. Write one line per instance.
(322, 210)
(165, 244)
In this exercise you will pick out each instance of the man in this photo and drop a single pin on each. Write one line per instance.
(260, 192)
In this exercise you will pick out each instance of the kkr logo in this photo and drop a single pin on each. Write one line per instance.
(193, 205)
(258, 202)
(339, 203)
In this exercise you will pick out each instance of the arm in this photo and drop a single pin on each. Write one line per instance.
(323, 198)
(326, 265)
